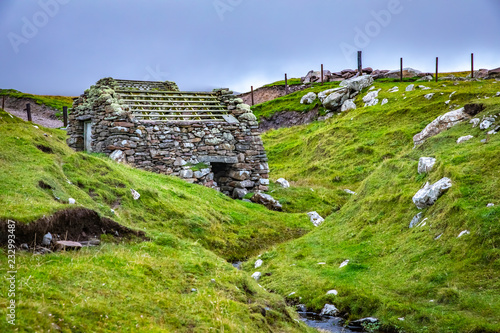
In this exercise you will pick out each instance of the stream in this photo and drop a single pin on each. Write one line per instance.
(326, 323)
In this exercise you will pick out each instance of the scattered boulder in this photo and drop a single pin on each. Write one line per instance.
(315, 218)
(323, 94)
(465, 232)
(348, 191)
(256, 276)
(357, 83)
(426, 78)
(267, 200)
(415, 220)
(283, 182)
(440, 124)
(425, 164)
(329, 310)
(429, 96)
(475, 122)
(71, 201)
(428, 195)
(348, 105)
(332, 292)
(464, 138)
(344, 263)
(490, 205)
(335, 100)
(258, 263)
(372, 102)
(486, 123)
(135, 194)
(370, 96)
(424, 87)
(308, 98)
(410, 87)
(394, 89)
(384, 101)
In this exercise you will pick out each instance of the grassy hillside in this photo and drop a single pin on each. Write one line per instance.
(135, 286)
(55, 102)
(426, 275)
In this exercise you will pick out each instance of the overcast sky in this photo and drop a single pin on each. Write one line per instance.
(64, 46)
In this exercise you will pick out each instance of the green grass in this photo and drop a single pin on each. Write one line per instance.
(55, 102)
(291, 102)
(290, 82)
(444, 285)
(194, 232)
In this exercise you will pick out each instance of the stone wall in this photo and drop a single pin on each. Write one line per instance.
(229, 157)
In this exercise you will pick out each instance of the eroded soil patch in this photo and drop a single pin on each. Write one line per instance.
(78, 224)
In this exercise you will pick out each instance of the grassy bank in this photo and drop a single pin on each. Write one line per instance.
(426, 276)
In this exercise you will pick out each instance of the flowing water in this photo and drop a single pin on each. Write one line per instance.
(325, 323)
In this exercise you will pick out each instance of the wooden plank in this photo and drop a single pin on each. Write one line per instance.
(168, 101)
(167, 92)
(147, 106)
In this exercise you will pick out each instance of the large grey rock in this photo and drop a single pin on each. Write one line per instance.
(323, 94)
(407, 73)
(357, 83)
(428, 195)
(283, 182)
(425, 164)
(239, 193)
(371, 96)
(348, 105)
(335, 100)
(410, 87)
(372, 102)
(315, 218)
(308, 98)
(188, 173)
(440, 124)
(267, 200)
(329, 310)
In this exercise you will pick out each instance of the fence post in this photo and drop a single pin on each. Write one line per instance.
(360, 63)
(28, 111)
(401, 70)
(321, 74)
(251, 90)
(65, 116)
(472, 65)
(3, 102)
(286, 85)
(437, 62)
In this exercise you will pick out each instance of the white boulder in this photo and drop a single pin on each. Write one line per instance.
(440, 124)
(308, 98)
(425, 164)
(384, 101)
(283, 182)
(465, 232)
(428, 195)
(71, 201)
(348, 105)
(464, 138)
(335, 100)
(258, 263)
(410, 87)
(344, 263)
(256, 276)
(329, 310)
(323, 94)
(429, 96)
(486, 123)
(475, 122)
(394, 89)
(135, 194)
(315, 218)
(332, 292)
(357, 83)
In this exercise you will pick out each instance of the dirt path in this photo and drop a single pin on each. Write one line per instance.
(40, 114)
(46, 119)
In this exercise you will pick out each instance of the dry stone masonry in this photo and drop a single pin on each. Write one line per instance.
(206, 138)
